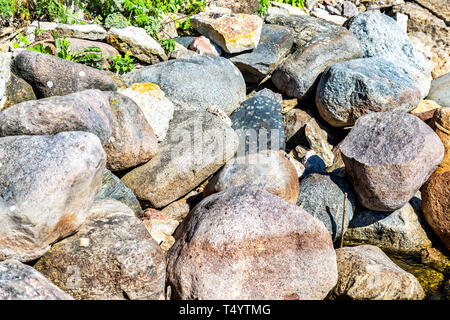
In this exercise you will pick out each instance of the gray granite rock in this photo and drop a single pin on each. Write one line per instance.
(274, 45)
(111, 257)
(388, 157)
(322, 196)
(246, 243)
(266, 92)
(196, 83)
(440, 90)
(46, 192)
(350, 89)
(21, 282)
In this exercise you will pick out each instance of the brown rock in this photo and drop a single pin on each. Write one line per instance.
(295, 121)
(18, 90)
(425, 110)
(437, 7)
(205, 47)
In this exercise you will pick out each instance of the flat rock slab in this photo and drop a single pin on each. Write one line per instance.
(111, 257)
(232, 32)
(21, 282)
(53, 76)
(195, 83)
(380, 35)
(81, 31)
(366, 273)
(322, 196)
(319, 44)
(388, 157)
(47, 190)
(268, 169)
(440, 90)
(246, 243)
(274, 45)
(138, 42)
(197, 145)
(399, 232)
(350, 89)
(259, 124)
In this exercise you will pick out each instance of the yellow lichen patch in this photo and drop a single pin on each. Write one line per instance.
(144, 87)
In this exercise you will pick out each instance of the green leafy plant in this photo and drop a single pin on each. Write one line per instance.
(23, 41)
(8, 8)
(53, 10)
(116, 20)
(264, 5)
(90, 56)
(168, 45)
(120, 65)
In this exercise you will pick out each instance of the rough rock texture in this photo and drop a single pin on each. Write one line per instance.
(322, 196)
(17, 91)
(205, 47)
(382, 36)
(399, 232)
(52, 76)
(238, 6)
(5, 75)
(232, 32)
(113, 188)
(197, 145)
(350, 89)
(318, 141)
(111, 257)
(425, 110)
(138, 42)
(274, 45)
(119, 123)
(268, 169)
(437, 7)
(389, 156)
(81, 31)
(440, 90)
(441, 124)
(366, 273)
(320, 44)
(259, 124)
(246, 243)
(158, 110)
(160, 227)
(196, 83)
(295, 121)
(47, 190)
(21, 282)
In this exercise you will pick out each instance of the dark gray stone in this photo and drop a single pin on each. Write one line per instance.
(185, 41)
(270, 94)
(350, 89)
(322, 195)
(195, 83)
(274, 45)
(440, 90)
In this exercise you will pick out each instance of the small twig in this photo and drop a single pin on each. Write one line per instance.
(343, 221)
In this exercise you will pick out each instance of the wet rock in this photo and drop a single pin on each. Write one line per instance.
(319, 45)
(259, 124)
(21, 282)
(388, 157)
(158, 110)
(52, 76)
(81, 31)
(47, 190)
(351, 89)
(197, 145)
(274, 45)
(112, 256)
(366, 273)
(399, 232)
(196, 83)
(233, 32)
(440, 90)
(113, 188)
(268, 169)
(138, 42)
(322, 196)
(259, 247)
(205, 47)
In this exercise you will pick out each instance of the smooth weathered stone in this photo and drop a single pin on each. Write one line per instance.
(160, 227)
(268, 169)
(196, 83)
(399, 232)
(52, 76)
(325, 15)
(382, 36)
(349, 9)
(351, 89)
(181, 52)
(233, 32)
(112, 187)
(246, 243)
(318, 141)
(322, 196)
(388, 157)
(112, 257)
(197, 145)
(81, 31)
(205, 47)
(320, 44)
(158, 110)
(47, 190)
(366, 273)
(440, 90)
(138, 42)
(21, 282)
(119, 123)
(274, 45)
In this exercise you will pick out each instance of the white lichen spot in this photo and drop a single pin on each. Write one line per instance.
(49, 84)
(12, 208)
(84, 242)
(82, 73)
